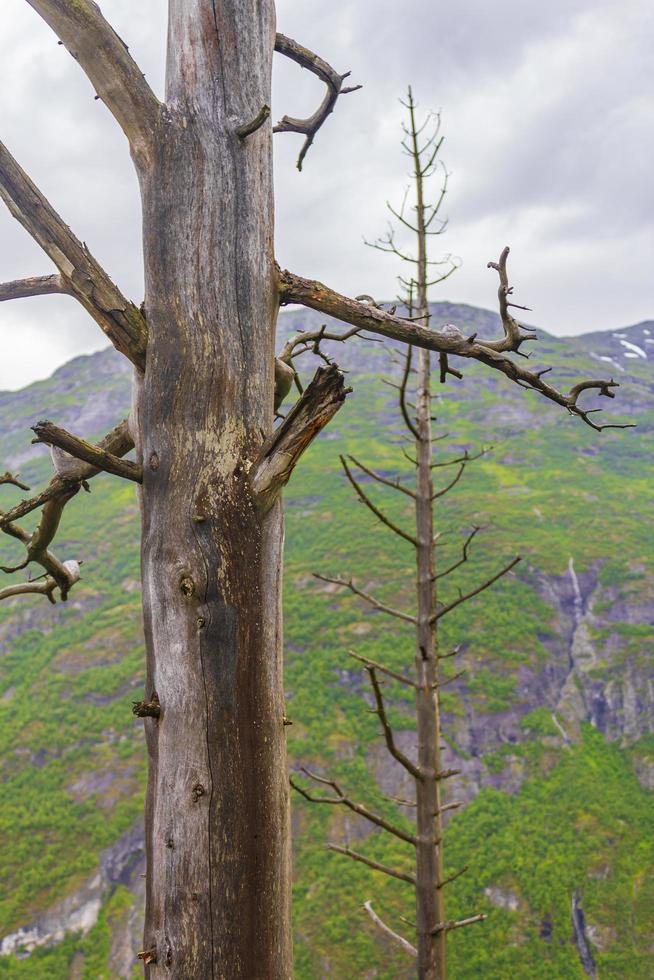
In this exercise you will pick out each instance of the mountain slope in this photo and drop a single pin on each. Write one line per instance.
(552, 725)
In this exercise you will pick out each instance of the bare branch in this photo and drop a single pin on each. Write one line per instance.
(342, 799)
(375, 865)
(446, 489)
(81, 275)
(317, 296)
(334, 82)
(12, 479)
(388, 731)
(450, 878)
(513, 336)
(313, 410)
(394, 484)
(445, 369)
(469, 595)
(311, 340)
(52, 435)
(118, 442)
(382, 607)
(367, 662)
(466, 458)
(36, 286)
(404, 943)
(365, 499)
(449, 806)
(63, 574)
(457, 564)
(46, 588)
(457, 924)
(112, 71)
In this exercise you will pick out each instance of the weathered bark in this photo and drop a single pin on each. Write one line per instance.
(217, 831)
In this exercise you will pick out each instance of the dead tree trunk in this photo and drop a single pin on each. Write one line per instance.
(217, 806)
(429, 863)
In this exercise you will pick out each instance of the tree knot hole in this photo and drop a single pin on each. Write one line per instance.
(154, 461)
(198, 791)
(187, 586)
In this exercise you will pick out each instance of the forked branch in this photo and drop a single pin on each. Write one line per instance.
(464, 597)
(317, 296)
(334, 82)
(513, 334)
(118, 442)
(12, 480)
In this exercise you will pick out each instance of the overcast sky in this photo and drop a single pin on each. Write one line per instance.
(548, 118)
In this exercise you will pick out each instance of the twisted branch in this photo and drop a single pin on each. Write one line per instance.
(334, 82)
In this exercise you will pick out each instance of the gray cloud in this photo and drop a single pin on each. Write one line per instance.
(547, 115)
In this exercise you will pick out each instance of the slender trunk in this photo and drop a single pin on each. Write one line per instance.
(217, 831)
(429, 872)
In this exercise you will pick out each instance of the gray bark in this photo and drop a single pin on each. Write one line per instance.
(218, 882)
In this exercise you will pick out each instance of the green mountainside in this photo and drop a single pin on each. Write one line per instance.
(551, 725)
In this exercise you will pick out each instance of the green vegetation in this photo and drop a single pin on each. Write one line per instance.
(72, 757)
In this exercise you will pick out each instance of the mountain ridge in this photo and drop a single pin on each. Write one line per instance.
(558, 680)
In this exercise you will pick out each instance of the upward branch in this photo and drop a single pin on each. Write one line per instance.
(80, 274)
(105, 58)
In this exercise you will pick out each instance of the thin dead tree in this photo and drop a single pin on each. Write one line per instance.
(210, 464)
(422, 221)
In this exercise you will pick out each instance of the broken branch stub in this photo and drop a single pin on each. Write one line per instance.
(310, 414)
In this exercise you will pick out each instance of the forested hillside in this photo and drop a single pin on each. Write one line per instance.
(551, 725)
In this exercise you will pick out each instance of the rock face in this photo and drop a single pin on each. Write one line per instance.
(581, 937)
(78, 912)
